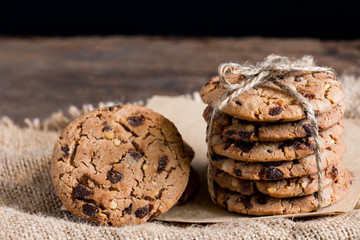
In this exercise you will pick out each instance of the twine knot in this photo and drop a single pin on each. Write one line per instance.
(272, 68)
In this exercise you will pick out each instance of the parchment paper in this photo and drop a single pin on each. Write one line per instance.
(186, 113)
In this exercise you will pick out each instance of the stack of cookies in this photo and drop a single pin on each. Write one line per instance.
(263, 159)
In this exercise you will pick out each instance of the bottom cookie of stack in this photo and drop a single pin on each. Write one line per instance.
(262, 204)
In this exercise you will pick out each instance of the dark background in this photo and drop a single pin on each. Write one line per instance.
(316, 19)
(54, 54)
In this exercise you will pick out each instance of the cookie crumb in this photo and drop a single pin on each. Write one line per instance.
(109, 135)
(113, 205)
(116, 142)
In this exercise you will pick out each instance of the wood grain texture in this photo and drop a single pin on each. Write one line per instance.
(41, 75)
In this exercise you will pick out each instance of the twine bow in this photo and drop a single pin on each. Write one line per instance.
(268, 71)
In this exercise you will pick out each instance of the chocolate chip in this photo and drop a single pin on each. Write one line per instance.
(269, 151)
(316, 195)
(128, 209)
(307, 95)
(273, 173)
(90, 209)
(136, 121)
(297, 79)
(162, 163)
(261, 199)
(107, 128)
(246, 200)
(81, 192)
(280, 77)
(308, 129)
(238, 172)
(245, 146)
(230, 132)
(243, 134)
(66, 151)
(114, 176)
(134, 154)
(334, 173)
(238, 103)
(275, 111)
(142, 212)
(217, 157)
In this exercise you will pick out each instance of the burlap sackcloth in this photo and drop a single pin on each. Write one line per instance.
(29, 208)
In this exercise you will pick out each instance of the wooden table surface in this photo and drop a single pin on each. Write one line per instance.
(41, 75)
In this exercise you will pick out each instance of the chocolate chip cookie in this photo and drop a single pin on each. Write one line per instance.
(278, 170)
(274, 151)
(290, 187)
(254, 131)
(268, 103)
(261, 204)
(121, 165)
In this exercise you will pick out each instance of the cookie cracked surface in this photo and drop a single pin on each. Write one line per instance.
(260, 131)
(120, 165)
(268, 103)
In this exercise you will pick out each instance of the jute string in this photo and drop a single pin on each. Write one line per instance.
(254, 75)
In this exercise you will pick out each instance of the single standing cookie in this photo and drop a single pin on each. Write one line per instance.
(290, 187)
(260, 204)
(268, 103)
(278, 170)
(274, 151)
(120, 165)
(253, 131)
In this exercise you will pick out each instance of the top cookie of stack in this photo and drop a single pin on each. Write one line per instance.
(263, 159)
